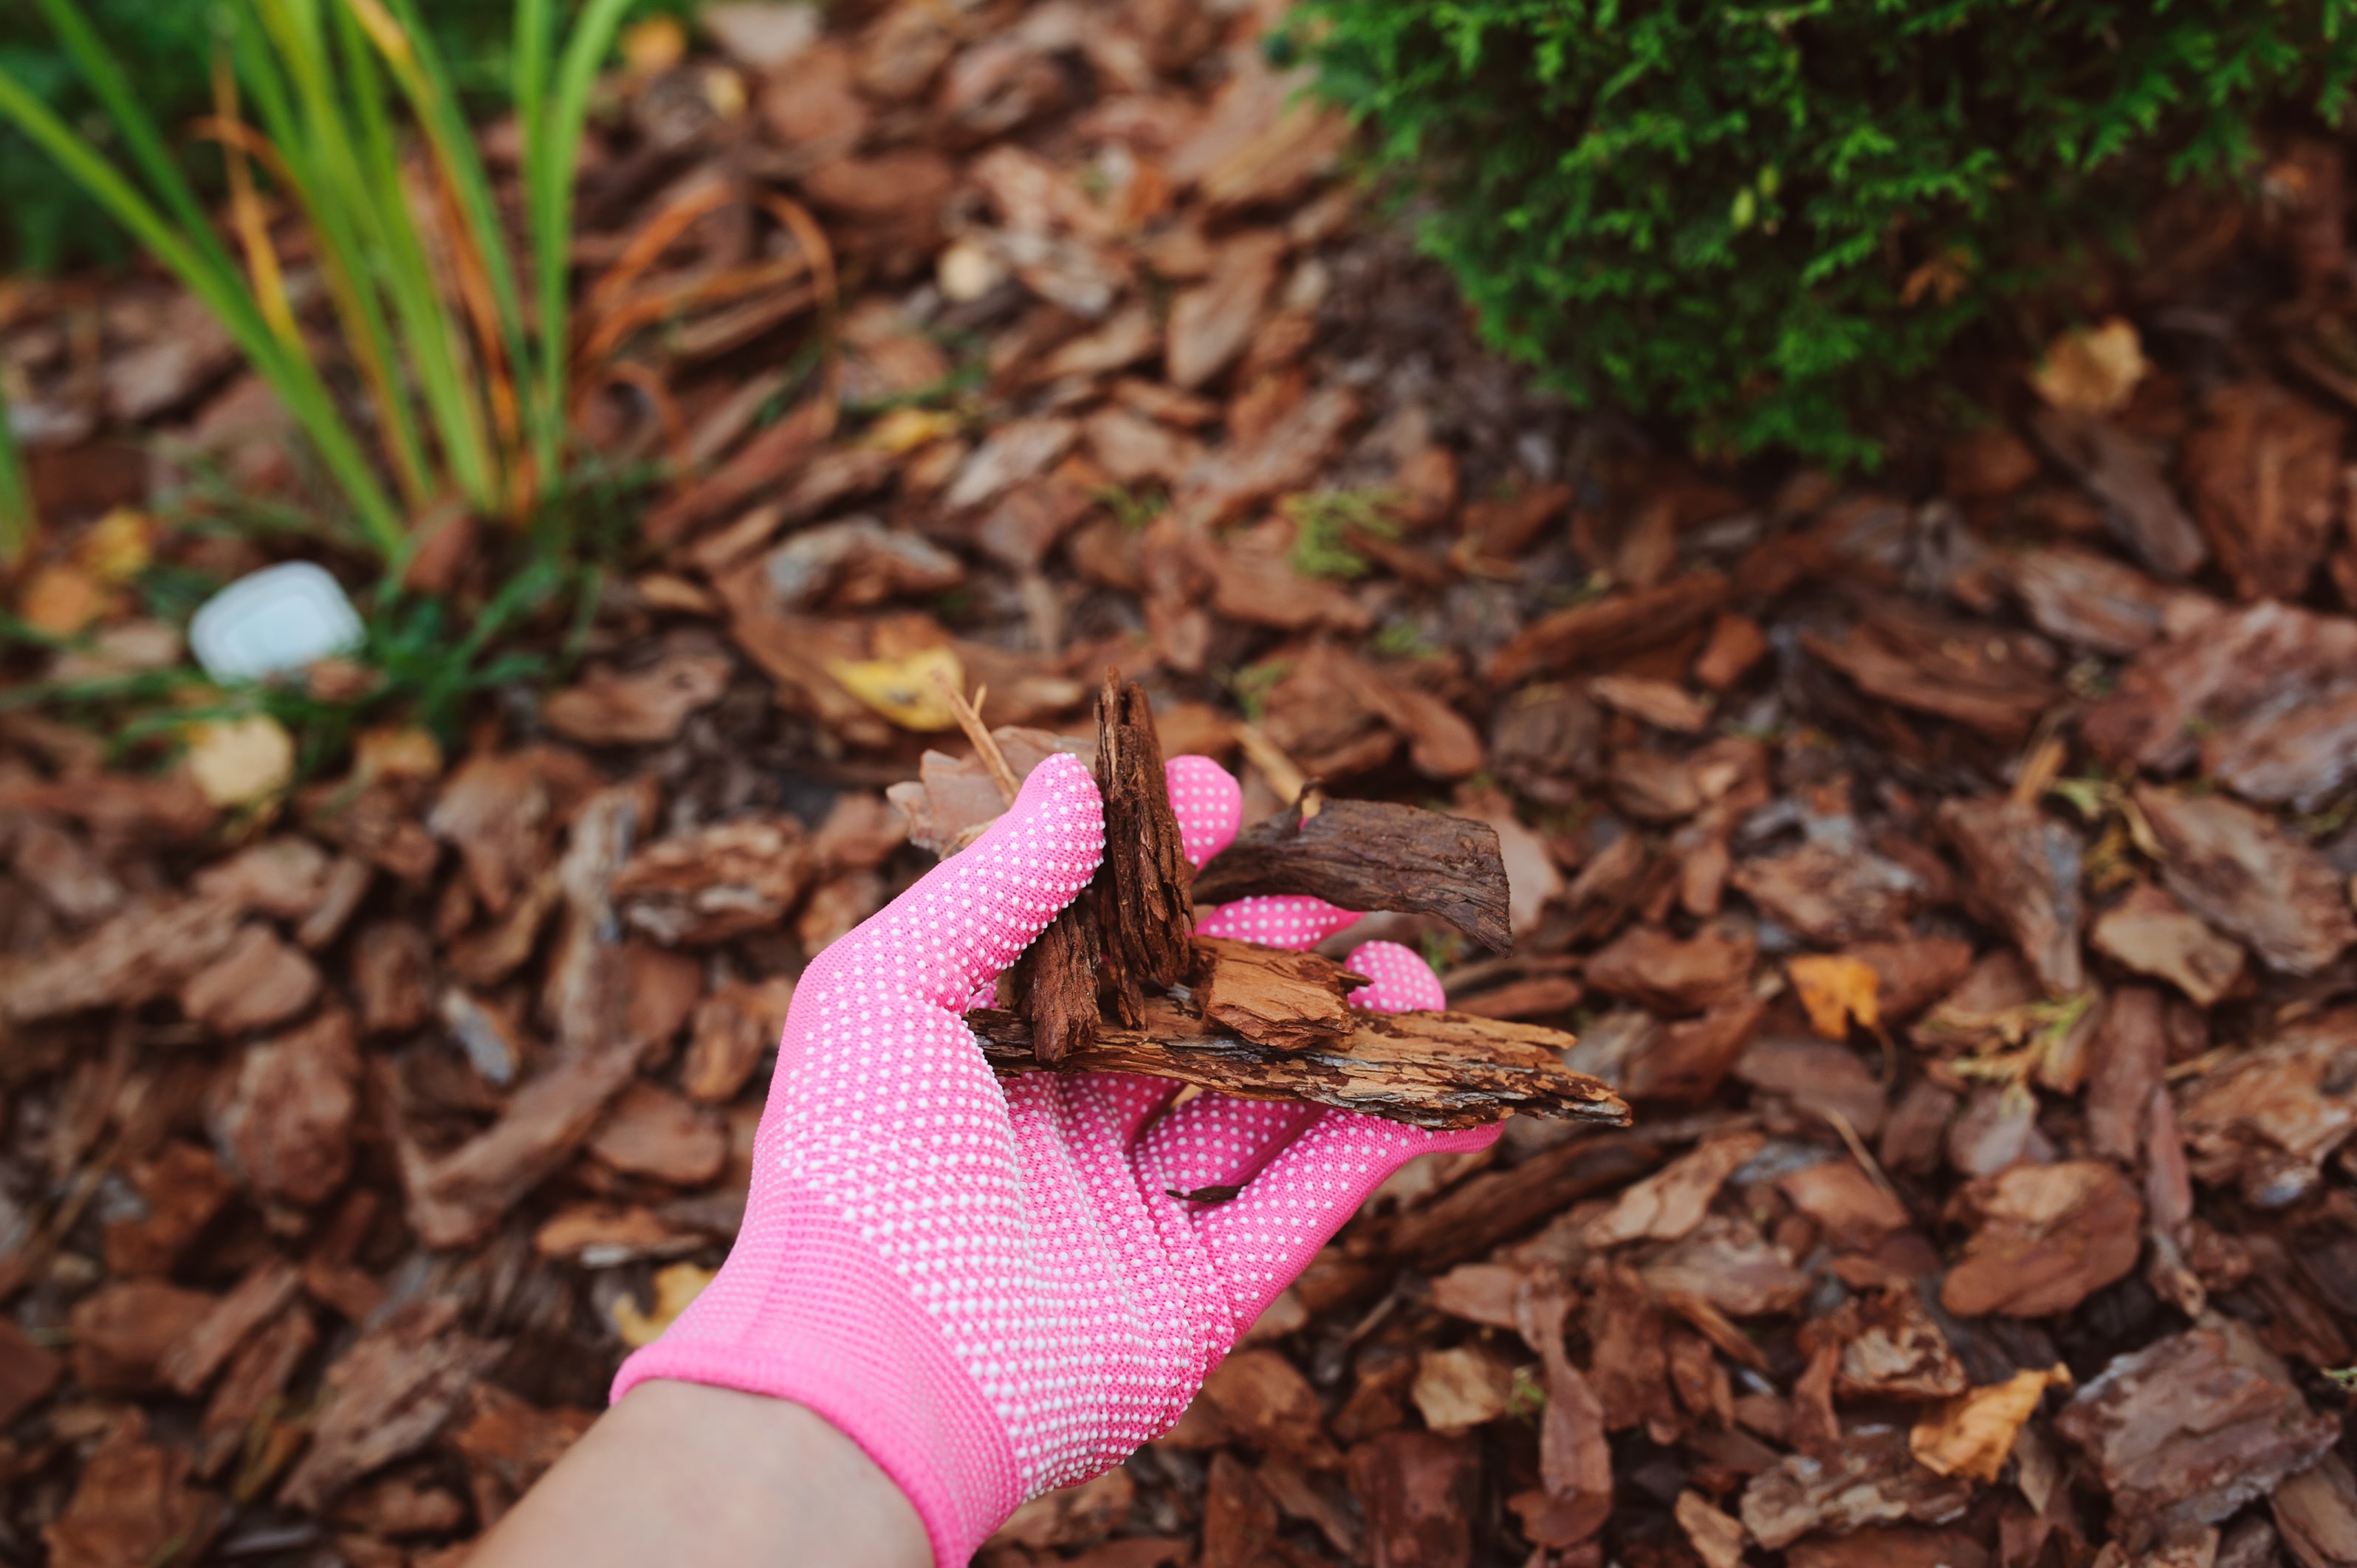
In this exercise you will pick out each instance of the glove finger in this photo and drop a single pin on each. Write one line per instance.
(964, 920)
(1403, 982)
(1209, 804)
(1214, 1141)
(1277, 920)
(1127, 1101)
(1263, 1238)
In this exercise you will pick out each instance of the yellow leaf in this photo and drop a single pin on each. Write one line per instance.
(397, 751)
(62, 600)
(1837, 991)
(1973, 1434)
(908, 689)
(236, 762)
(906, 429)
(674, 1288)
(2091, 371)
(656, 44)
(118, 546)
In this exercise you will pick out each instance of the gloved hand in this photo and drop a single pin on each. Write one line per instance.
(990, 1289)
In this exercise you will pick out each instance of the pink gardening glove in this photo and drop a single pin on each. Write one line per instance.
(988, 1288)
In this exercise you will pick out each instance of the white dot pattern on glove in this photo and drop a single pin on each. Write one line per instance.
(1032, 1226)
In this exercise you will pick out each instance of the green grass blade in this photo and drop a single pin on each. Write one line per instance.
(344, 267)
(425, 79)
(220, 288)
(149, 153)
(16, 495)
(431, 327)
(551, 157)
(387, 238)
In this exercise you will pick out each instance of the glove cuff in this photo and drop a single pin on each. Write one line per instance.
(804, 1310)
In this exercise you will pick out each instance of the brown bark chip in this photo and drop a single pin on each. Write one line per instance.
(193, 1358)
(716, 882)
(733, 1027)
(283, 1118)
(2263, 470)
(2023, 870)
(2152, 933)
(2243, 874)
(1419, 1490)
(1364, 855)
(28, 1373)
(1874, 1480)
(1142, 911)
(1430, 1069)
(258, 980)
(132, 1505)
(388, 1396)
(121, 1331)
(2190, 1428)
(2266, 1119)
(2050, 1237)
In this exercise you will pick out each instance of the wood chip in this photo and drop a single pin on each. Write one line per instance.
(1432, 1069)
(282, 1117)
(2190, 1428)
(2240, 872)
(388, 1396)
(2050, 1237)
(645, 707)
(1364, 854)
(2152, 933)
(719, 882)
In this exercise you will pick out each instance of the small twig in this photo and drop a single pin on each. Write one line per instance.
(969, 718)
(1283, 775)
(1857, 1150)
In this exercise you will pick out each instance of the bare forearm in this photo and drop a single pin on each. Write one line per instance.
(704, 1477)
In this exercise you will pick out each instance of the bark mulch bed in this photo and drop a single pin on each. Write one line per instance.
(1953, 871)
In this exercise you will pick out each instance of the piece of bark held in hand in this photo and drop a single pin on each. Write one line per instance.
(1055, 985)
(1288, 1001)
(1367, 854)
(1144, 917)
(1431, 1069)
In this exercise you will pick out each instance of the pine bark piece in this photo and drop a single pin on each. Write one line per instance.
(389, 1394)
(1368, 854)
(2023, 871)
(1288, 1001)
(1140, 891)
(1430, 1069)
(1055, 985)
(2240, 872)
(2187, 1429)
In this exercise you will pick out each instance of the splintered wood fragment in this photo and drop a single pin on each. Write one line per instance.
(1055, 985)
(1287, 1001)
(1144, 914)
(969, 718)
(1430, 1069)
(1368, 854)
